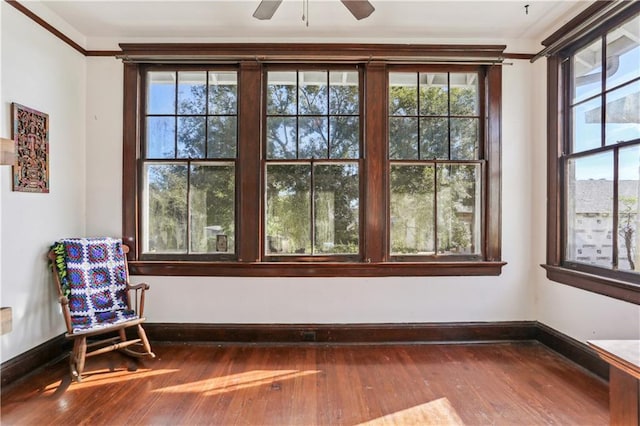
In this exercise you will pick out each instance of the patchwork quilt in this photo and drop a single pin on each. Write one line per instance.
(97, 281)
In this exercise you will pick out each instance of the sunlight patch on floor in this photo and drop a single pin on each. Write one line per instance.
(105, 377)
(233, 382)
(436, 412)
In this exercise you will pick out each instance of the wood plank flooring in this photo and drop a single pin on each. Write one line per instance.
(522, 383)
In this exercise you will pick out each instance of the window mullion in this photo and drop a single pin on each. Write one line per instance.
(175, 117)
(418, 116)
(603, 96)
(376, 116)
(249, 164)
(298, 114)
(188, 206)
(206, 115)
(614, 223)
(329, 114)
(449, 115)
(312, 207)
(435, 208)
(494, 137)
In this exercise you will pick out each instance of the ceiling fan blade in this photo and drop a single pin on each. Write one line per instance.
(266, 9)
(360, 9)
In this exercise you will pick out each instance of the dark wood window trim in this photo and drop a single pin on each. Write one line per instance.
(375, 260)
(597, 280)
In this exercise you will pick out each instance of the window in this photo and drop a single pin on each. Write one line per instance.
(188, 164)
(595, 159)
(312, 163)
(277, 168)
(435, 164)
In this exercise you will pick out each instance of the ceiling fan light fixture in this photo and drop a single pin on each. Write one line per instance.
(266, 9)
(360, 9)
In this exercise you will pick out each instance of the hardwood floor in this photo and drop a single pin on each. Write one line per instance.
(522, 383)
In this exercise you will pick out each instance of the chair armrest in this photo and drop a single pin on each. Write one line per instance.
(141, 286)
(138, 297)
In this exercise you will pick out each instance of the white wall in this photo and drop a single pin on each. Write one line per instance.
(324, 300)
(41, 72)
(104, 146)
(578, 313)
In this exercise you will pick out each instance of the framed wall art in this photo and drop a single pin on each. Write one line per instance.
(30, 132)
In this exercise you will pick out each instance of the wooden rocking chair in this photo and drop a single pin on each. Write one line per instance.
(92, 279)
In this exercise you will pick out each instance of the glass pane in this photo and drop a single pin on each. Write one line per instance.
(587, 71)
(344, 137)
(628, 208)
(165, 208)
(412, 209)
(587, 121)
(191, 131)
(434, 138)
(281, 137)
(590, 210)
(192, 92)
(314, 136)
(623, 114)
(623, 53)
(344, 94)
(281, 93)
(212, 198)
(223, 93)
(459, 225)
(464, 138)
(161, 93)
(222, 137)
(403, 93)
(161, 137)
(464, 94)
(403, 138)
(313, 92)
(434, 94)
(336, 208)
(288, 211)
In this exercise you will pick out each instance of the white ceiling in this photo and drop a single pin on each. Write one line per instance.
(415, 21)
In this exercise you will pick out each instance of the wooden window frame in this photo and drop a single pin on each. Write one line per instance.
(374, 259)
(483, 153)
(618, 285)
(177, 159)
(297, 68)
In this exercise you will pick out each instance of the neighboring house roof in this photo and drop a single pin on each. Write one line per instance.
(591, 195)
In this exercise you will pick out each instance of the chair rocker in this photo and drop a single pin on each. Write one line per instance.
(92, 279)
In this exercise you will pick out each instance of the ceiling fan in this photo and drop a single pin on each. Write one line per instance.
(360, 9)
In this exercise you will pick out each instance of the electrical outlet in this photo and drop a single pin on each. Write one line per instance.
(6, 319)
(309, 336)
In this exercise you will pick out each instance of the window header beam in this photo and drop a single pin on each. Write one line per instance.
(203, 53)
(584, 23)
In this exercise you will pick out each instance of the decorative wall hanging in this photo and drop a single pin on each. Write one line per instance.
(31, 134)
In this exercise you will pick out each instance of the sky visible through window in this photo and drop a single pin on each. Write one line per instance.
(587, 116)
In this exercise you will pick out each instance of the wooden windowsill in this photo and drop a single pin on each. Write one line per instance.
(308, 269)
(598, 284)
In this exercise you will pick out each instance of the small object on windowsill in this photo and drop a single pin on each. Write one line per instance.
(221, 243)
(5, 320)
(7, 152)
